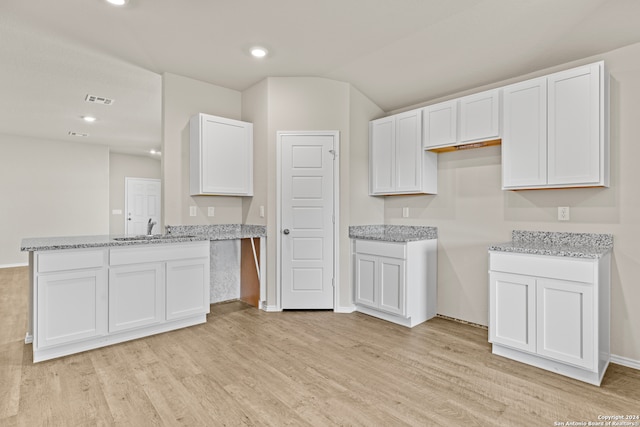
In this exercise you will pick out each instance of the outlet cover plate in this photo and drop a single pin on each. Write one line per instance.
(563, 213)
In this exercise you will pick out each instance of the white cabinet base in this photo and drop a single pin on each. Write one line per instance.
(40, 355)
(409, 322)
(590, 377)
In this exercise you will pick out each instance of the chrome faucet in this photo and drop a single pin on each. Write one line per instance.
(150, 225)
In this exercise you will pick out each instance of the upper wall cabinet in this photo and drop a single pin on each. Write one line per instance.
(397, 164)
(467, 120)
(221, 157)
(556, 130)
(441, 124)
(480, 116)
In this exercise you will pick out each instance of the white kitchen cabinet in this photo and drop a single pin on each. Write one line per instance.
(379, 283)
(513, 310)
(187, 288)
(136, 296)
(480, 116)
(396, 281)
(556, 130)
(441, 124)
(551, 312)
(397, 164)
(221, 156)
(88, 298)
(565, 321)
(71, 306)
(524, 147)
(462, 121)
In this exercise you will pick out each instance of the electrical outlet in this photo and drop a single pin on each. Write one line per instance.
(563, 213)
(405, 212)
(193, 210)
(211, 211)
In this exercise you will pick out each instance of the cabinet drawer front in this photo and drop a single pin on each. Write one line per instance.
(157, 253)
(563, 268)
(70, 260)
(387, 249)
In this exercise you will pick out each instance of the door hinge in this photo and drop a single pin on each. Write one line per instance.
(333, 282)
(333, 219)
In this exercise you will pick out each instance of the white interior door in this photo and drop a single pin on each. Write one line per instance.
(142, 202)
(307, 219)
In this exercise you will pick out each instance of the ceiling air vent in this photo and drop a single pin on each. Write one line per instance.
(78, 134)
(99, 100)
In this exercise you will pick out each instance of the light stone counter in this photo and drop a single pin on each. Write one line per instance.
(393, 233)
(577, 245)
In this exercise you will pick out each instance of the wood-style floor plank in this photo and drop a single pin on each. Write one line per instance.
(245, 367)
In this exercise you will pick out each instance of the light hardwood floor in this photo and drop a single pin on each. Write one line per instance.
(248, 367)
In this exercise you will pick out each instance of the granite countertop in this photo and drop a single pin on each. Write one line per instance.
(175, 234)
(219, 231)
(393, 233)
(576, 245)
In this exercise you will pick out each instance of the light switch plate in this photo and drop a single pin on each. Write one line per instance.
(405, 212)
(563, 213)
(116, 212)
(193, 210)
(211, 211)
(261, 211)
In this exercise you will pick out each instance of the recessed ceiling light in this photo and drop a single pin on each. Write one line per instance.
(158, 153)
(259, 52)
(89, 119)
(118, 2)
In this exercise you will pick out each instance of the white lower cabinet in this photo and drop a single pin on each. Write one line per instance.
(88, 298)
(551, 312)
(136, 296)
(396, 281)
(71, 306)
(187, 288)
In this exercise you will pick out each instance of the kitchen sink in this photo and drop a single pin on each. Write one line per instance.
(151, 237)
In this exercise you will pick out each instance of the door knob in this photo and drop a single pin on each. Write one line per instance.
(286, 231)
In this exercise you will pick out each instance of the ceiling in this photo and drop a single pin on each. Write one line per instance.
(397, 52)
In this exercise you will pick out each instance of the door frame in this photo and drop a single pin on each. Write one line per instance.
(127, 180)
(336, 209)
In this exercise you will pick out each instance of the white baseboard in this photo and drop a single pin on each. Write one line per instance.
(625, 361)
(345, 310)
(26, 264)
(271, 308)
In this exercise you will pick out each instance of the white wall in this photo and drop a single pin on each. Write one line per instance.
(182, 98)
(471, 212)
(310, 104)
(50, 188)
(122, 166)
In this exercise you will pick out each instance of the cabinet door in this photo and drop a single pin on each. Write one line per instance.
(222, 152)
(440, 124)
(381, 149)
(574, 126)
(480, 116)
(188, 291)
(524, 140)
(71, 306)
(366, 273)
(136, 296)
(392, 285)
(565, 322)
(512, 303)
(408, 150)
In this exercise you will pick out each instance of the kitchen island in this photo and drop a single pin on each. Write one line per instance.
(92, 291)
